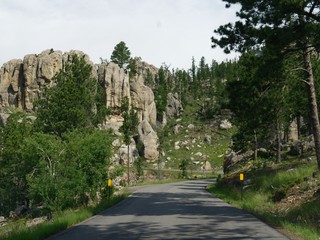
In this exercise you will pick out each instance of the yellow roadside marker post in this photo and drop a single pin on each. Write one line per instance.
(109, 183)
(241, 180)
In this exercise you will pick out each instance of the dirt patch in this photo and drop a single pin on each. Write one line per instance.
(296, 196)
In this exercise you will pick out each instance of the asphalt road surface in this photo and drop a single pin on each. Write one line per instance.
(171, 211)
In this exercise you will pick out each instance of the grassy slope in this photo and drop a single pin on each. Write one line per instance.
(191, 142)
(282, 195)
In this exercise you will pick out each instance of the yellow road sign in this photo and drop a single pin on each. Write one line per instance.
(109, 182)
(241, 176)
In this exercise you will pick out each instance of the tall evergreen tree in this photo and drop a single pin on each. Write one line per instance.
(129, 126)
(283, 27)
(161, 92)
(121, 54)
(68, 104)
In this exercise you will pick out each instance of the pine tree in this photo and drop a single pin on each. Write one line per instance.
(68, 104)
(121, 54)
(282, 27)
(129, 126)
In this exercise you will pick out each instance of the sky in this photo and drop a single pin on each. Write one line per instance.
(158, 31)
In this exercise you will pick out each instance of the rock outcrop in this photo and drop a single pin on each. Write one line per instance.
(148, 137)
(143, 99)
(174, 106)
(23, 81)
(116, 84)
(11, 84)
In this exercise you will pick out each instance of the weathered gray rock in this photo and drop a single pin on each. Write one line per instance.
(36, 221)
(148, 71)
(174, 106)
(208, 138)
(233, 160)
(143, 99)
(11, 84)
(148, 137)
(23, 81)
(177, 145)
(295, 150)
(191, 126)
(293, 131)
(176, 129)
(3, 221)
(198, 154)
(123, 154)
(3, 119)
(113, 122)
(116, 143)
(207, 166)
(225, 124)
(116, 84)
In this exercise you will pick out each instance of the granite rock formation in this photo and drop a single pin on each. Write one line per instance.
(22, 82)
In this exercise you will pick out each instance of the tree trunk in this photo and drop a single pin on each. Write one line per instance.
(128, 165)
(312, 102)
(255, 145)
(278, 134)
(299, 127)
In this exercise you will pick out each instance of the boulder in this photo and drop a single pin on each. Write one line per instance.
(3, 221)
(176, 129)
(116, 143)
(225, 124)
(121, 157)
(208, 139)
(36, 221)
(198, 154)
(149, 139)
(207, 166)
(295, 150)
(191, 126)
(113, 122)
(233, 160)
(174, 106)
(3, 119)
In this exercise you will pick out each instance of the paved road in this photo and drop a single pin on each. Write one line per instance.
(171, 211)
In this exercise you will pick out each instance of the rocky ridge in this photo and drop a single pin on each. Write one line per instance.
(23, 81)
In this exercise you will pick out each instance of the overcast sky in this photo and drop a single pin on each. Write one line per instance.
(159, 31)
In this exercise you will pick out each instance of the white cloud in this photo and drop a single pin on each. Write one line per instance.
(157, 30)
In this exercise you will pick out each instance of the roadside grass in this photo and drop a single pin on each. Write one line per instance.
(258, 197)
(174, 175)
(159, 181)
(60, 221)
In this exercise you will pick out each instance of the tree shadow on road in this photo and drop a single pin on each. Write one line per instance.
(188, 212)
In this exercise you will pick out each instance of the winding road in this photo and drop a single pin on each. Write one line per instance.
(183, 210)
